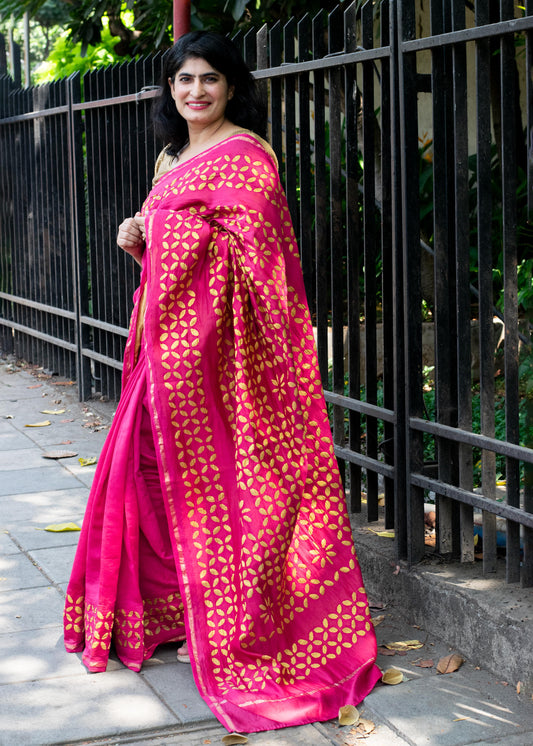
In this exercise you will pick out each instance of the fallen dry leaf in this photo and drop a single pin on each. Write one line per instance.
(392, 676)
(60, 527)
(53, 411)
(404, 645)
(424, 664)
(348, 715)
(383, 534)
(87, 461)
(378, 619)
(44, 423)
(518, 687)
(232, 738)
(364, 726)
(35, 386)
(450, 663)
(60, 454)
(62, 383)
(385, 651)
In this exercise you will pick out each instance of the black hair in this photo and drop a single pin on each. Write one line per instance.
(245, 109)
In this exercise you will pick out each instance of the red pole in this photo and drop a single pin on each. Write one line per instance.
(181, 17)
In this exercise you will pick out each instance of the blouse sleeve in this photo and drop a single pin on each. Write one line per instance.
(163, 164)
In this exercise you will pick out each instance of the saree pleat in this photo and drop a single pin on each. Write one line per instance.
(124, 588)
(270, 589)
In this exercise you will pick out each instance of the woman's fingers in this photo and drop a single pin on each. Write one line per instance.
(130, 234)
(140, 224)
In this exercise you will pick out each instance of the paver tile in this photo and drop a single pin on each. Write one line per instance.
(18, 572)
(40, 655)
(80, 707)
(31, 609)
(52, 477)
(42, 508)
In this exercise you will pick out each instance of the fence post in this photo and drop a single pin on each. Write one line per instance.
(410, 396)
(78, 232)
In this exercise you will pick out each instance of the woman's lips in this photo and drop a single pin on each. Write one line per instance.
(197, 104)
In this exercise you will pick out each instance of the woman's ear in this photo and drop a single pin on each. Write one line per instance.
(231, 91)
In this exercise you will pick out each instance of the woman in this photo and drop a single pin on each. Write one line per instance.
(217, 512)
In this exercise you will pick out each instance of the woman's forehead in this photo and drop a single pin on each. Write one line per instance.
(197, 65)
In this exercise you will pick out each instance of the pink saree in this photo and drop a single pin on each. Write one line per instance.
(217, 510)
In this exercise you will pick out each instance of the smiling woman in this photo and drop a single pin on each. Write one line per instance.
(217, 512)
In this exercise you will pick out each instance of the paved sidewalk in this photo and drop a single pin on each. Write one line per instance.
(46, 695)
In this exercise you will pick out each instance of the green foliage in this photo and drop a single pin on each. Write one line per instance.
(66, 59)
(149, 27)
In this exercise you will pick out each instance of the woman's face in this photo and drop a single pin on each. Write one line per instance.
(200, 92)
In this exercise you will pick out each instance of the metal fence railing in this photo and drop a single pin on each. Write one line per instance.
(405, 143)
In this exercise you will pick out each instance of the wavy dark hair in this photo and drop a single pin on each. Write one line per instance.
(245, 109)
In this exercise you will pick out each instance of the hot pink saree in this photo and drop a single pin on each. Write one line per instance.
(232, 528)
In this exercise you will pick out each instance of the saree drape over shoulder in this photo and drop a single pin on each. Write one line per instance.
(217, 509)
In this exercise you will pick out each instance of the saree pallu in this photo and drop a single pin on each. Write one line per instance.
(270, 590)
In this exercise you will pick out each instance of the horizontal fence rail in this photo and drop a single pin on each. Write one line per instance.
(404, 137)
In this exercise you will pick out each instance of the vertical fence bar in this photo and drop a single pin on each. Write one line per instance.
(337, 236)
(485, 285)
(38, 224)
(510, 264)
(305, 175)
(370, 255)
(24, 238)
(462, 243)
(321, 198)
(444, 271)
(6, 221)
(353, 240)
(80, 283)
(527, 533)
(91, 140)
(290, 126)
(412, 295)
(276, 128)
(250, 49)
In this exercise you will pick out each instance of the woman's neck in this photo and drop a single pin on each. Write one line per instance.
(206, 137)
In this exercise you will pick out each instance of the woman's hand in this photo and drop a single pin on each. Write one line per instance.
(131, 236)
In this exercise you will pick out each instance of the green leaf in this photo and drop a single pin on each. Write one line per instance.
(60, 527)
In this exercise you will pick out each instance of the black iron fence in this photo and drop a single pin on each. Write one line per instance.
(405, 142)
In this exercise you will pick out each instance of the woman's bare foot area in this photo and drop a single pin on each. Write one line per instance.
(183, 654)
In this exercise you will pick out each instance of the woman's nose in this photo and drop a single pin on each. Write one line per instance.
(197, 87)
